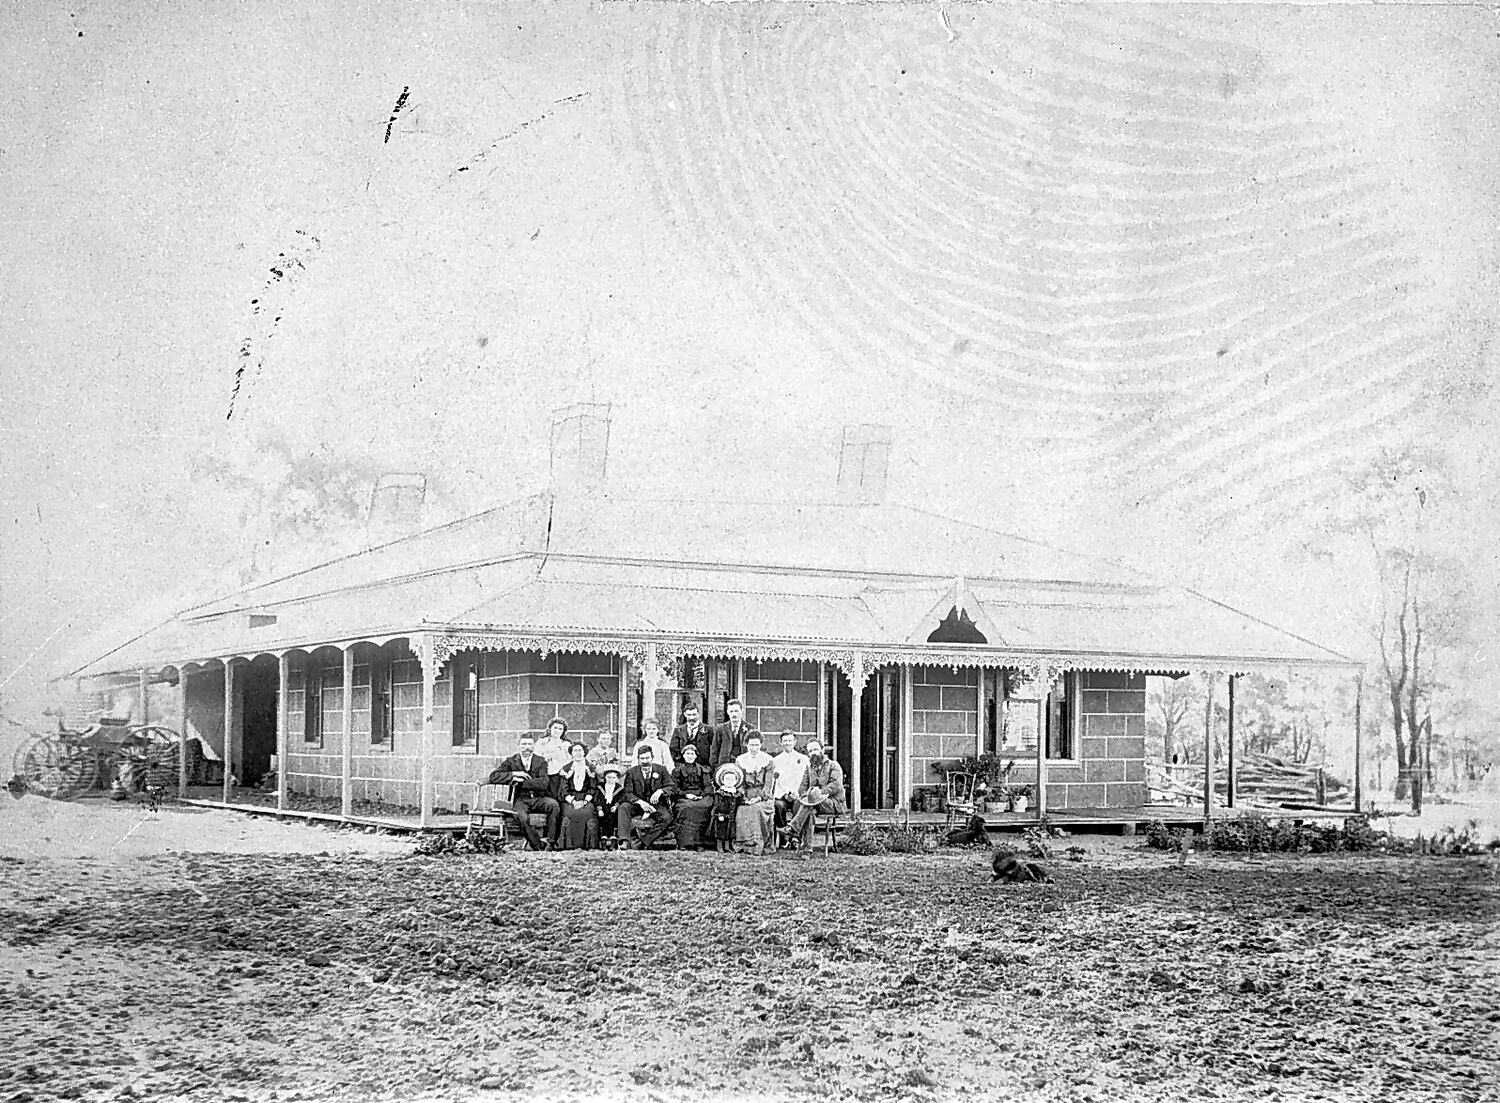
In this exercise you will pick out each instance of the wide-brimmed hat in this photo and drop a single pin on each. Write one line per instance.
(813, 796)
(612, 768)
(729, 776)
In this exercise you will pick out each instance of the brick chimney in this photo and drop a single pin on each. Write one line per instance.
(864, 461)
(580, 444)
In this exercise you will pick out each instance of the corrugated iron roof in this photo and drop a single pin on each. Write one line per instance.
(861, 575)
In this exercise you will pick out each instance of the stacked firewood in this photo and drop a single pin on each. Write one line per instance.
(1267, 780)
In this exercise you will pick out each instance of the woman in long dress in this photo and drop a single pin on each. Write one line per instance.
(692, 800)
(755, 819)
(574, 789)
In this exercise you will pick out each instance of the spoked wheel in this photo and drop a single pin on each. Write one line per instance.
(52, 768)
(148, 753)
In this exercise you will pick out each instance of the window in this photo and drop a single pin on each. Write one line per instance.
(312, 702)
(1021, 717)
(1061, 709)
(465, 668)
(382, 702)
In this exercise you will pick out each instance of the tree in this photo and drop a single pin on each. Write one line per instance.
(1170, 707)
(1401, 508)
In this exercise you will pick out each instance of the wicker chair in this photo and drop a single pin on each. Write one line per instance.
(963, 796)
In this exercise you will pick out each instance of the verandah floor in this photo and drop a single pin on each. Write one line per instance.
(1122, 819)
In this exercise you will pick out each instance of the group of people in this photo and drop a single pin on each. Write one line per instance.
(708, 787)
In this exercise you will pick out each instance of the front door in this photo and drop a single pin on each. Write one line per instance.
(258, 683)
(880, 738)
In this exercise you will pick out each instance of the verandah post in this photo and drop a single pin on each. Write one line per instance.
(856, 708)
(283, 676)
(429, 677)
(903, 737)
(979, 713)
(1232, 786)
(1359, 795)
(1044, 691)
(182, 732)
(228, 727)
(1208, 750)
(622, 728)
(346, 749)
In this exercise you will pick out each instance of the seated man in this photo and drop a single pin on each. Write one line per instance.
(822, 791)
(791, 766)
(533, 789)
(647, 798)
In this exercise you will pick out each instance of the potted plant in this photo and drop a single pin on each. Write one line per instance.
(1021, 798)
(993, 772)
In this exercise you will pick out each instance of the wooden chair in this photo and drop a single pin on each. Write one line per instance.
(494, 809)
(962, 796)
(830, 824)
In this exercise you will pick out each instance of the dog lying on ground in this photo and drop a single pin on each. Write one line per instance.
(1013, 868)
(971, 833)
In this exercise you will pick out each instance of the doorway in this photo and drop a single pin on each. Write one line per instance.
(880, 739)
(259, 685)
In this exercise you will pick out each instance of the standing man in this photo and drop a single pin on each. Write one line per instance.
(822, 791)
(692, 732)
(729, 737)
(647, 797)
(528, 771)
(791, 767)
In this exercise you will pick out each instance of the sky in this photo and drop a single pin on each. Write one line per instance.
(1143, 281)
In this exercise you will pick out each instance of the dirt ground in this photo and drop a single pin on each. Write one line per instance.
(209, 955)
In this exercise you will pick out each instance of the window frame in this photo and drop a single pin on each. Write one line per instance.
(1061, 711)
(382, 703)
(465, 701)
(312, 703)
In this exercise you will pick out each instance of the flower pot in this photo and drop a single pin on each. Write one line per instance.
(1022, 803)
(995, 807)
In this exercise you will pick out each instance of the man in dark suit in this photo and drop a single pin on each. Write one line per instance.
(692, 732)
(729, 737)
(646, 795)
(528, 771)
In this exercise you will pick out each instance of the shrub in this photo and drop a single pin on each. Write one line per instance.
(1158, 835)
(861, 838)
(1359, 835)
(1036, 842)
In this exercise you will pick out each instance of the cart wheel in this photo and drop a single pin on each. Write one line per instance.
(52, 768)
(148, 752)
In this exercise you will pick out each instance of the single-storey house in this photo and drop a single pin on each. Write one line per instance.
(904, 638)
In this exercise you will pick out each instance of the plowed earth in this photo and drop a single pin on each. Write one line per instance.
(686, 976)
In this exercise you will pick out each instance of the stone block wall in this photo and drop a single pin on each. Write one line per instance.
(944, 719)
(519, 692)
(779, 695)
(1110, 768)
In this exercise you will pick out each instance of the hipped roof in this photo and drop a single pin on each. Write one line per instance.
(788, 573)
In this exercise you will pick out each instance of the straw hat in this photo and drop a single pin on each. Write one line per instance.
(729, 776)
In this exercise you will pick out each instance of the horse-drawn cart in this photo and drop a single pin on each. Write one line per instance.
(69, 762)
